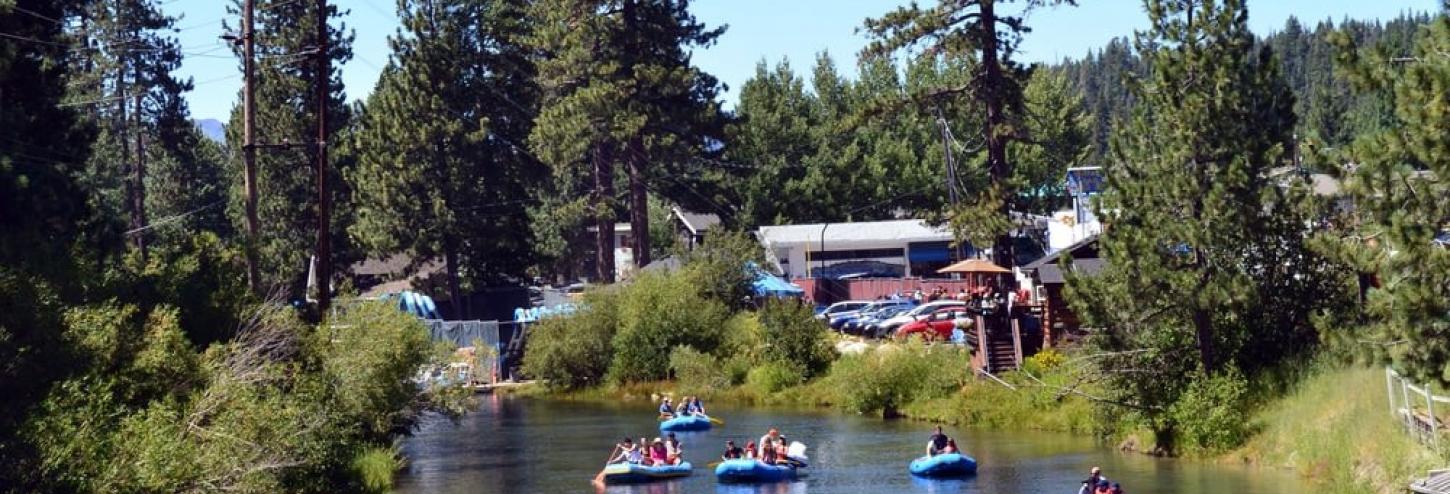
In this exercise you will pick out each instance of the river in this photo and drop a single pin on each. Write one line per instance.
(521, 445)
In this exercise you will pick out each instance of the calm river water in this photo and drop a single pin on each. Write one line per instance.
(519, 445)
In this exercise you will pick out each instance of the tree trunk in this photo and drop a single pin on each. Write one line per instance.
(603, 214)
(455, 289)
(638, 205)
(138, 208)
(999, 171)
(1202, 318)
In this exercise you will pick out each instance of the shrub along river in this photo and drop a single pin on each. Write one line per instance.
(528, 445)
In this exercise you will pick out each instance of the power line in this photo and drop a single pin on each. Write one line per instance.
(173, 218)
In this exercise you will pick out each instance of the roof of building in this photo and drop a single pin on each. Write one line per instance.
(1052, 273)
(697, 222)
(867, 231)
(1051, 259)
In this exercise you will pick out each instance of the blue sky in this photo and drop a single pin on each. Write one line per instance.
(759, 30)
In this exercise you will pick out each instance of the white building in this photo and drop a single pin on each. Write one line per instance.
(897, 248)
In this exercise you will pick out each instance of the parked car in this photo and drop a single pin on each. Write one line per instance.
(888, 327)
(935, 326)
(839, 308)
(844, 318)
(859, 324)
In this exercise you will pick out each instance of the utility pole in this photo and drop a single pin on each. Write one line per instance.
(324, 249)
(946, 144)
(249, 145)
(139, 204)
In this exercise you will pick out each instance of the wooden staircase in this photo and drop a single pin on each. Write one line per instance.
(998, 347)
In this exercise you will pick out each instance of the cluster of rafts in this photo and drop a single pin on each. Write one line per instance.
(749, 471)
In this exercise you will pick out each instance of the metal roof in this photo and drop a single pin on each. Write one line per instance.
(867, 231)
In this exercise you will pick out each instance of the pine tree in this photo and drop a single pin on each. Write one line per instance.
(1059, 133)
(1207, 269)
(124, 84)
(1395, 234)
(973, 27)
(441, 170)
(286, 101)
(45, 222)
(619, 87)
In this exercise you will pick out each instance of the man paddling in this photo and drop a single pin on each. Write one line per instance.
(666, 412)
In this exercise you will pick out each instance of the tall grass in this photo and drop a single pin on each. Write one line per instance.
(1336, 429)
(374, 468)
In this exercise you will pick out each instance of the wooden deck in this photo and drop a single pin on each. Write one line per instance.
(1438, 482)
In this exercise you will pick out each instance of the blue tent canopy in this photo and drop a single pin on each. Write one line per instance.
(767, 284)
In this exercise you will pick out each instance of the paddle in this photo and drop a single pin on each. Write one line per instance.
(715, 421)
(599, 479)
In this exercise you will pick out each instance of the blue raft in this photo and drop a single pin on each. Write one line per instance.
(945, 465)
(686, 423)
(630, 473)
(752, 471)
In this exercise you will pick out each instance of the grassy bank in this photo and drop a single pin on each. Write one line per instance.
(1335, 428)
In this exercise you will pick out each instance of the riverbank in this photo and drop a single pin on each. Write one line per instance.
(1335, 428)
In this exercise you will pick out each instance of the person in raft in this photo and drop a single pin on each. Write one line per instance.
(767, 442)
(732, 452)
(937, 442)
(782, 453)
(951, 447)
(750, 451)
(687, 406)
(666, 411)
(624, 449)
(672, 449)
(1090, 485)
(1104, 487)
(698, 406)
(658, 454)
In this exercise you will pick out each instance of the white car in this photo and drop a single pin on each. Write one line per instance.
(839, 308)
(889, 326)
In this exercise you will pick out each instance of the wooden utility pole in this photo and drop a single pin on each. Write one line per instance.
(249, 145)
(324, 249)
(138, 206)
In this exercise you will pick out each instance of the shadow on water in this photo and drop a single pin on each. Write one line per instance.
(523, 445)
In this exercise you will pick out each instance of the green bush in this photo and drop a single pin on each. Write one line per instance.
(658, 312)
(774, 376)
(374, 468)
(792, 334)
(719, 268)
(371, 361)
(737, 370)
(744, 338)
(574, 351)
(697, 372)
(892, 377)
(1211, 415)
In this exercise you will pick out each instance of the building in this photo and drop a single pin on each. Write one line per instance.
(1049, 280)
(874, 249)
(691, 230)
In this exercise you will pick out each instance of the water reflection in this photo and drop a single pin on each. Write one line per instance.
(537, 446)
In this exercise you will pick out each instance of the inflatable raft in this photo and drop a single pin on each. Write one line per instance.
(751, 471)
(686, 423)
(630, 473)
(945, 465)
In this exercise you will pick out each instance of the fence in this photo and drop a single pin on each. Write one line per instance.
(1414, 406)
(484, 334)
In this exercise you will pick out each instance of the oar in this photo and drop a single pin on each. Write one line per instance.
(599, 479)
(715, 421)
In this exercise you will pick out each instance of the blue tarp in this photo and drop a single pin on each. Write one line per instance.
(415, 303)
(767, 285)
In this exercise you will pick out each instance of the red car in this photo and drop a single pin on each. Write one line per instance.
(936, 326)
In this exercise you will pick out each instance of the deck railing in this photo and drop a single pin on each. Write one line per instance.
(1413, 406)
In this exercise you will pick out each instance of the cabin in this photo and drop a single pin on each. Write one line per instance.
(1049, 280)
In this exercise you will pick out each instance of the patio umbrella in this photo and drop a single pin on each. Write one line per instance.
(975, 266)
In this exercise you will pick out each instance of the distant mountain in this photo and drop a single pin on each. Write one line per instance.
(212, 128)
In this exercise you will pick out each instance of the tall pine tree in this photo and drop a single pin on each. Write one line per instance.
(973, 28)
(620, 87)
(442, 172)
(1396, 234)
(1207, 272)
